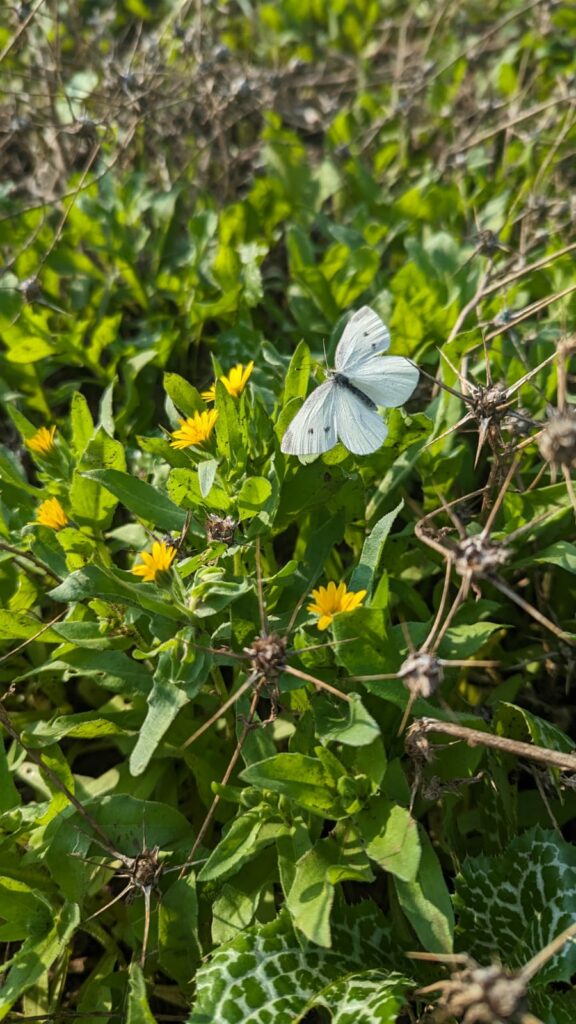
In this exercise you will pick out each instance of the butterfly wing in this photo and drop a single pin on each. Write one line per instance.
(312, 431)
(365, 335)
(358, 425)
(388, 381)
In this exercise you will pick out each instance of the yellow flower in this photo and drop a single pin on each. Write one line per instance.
(234, 383)
(43, 441)
(50, 513)
(158, 562)
(333, 599)
(195, 429)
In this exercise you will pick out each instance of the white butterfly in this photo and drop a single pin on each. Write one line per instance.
(344, 407)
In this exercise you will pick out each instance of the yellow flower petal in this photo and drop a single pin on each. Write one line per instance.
(331, 600)
(42, 443)
(234, 382)
(50, 513)
(156, 563)
(237, 378)
(194, 430)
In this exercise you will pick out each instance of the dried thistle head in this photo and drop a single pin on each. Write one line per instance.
(146, 868)
(421, 674)
(489, 402)
(478, 556)
(482, 995)
(268, 655)
(557, 442)
(220, 529)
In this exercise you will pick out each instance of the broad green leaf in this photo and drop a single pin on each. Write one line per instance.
(179, 946)
(91, 503)
(426, 901)
(519, 723)
(95, 582)
(138, 1010)
(30, 350)
(142, 499)
(22, 627)
(296, 383)
(391, 837)
(184, 487)
(9, 795)
(206, 474)
(257, 971)
(81, 423)
(345, 722)
(254, 494)
(304, 779)
(312, 894)
(229, 440)
(238, 900)
(176, 681)
(562, 554)
(184, 395)
(247, 835)
(512, 905)
(363, 576)
(36, 955)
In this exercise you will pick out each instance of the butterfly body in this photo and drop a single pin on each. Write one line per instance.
(345, 406)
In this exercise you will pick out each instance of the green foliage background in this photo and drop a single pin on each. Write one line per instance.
(190, 186)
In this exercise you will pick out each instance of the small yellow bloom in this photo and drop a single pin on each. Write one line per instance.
(195, 429)
(50, 513)
(234, 383)
(158, 562)
(333, 599)
(43, 441)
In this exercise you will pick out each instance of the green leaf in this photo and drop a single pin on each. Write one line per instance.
(302, 778)
(254, 494)
(91, 581)
(21, 627)
(91, 503)
(229, 440)
(184, 395)
(37, 955)
(179, 946)
(176, 681)
(562, 554)
(363, 576)
(296, 383)
(312, 894)
(206, 473)
(345, 722)
(142, 499)
(138, 1011)
(426, 902)
(9, 795)
(247, 835)
(257, 970)
(512, 905)
(81, 423)
(391, 837)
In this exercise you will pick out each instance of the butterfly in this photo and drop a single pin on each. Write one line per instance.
(344, 407)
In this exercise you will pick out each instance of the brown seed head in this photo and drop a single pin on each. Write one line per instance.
(483, 995)
(489, 402)
(421, 674)
(478, 556)
(220, 529)
(557, 442)
(268, 655)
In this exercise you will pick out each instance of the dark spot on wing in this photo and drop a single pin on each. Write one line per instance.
(310, 430)
(326, 430)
